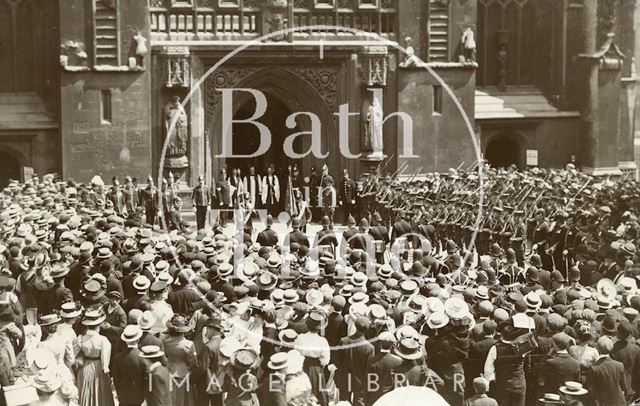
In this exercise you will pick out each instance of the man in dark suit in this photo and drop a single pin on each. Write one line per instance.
(182, 298)
(128, 369)
(606, 378)
(562, 367)
(78, 272)
(296, 235)
(208, 387)
(353, 362)
(381, 367)
(336, 327)
(268, 237)
(149, 199)
(158, 387)
(201, 198)
(627, 352)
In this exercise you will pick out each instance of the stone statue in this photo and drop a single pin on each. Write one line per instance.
(178, 141)
(374, 126)
(410, 60)
(141, 48)
(468, 45)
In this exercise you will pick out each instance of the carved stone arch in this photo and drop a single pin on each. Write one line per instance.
(288, 85)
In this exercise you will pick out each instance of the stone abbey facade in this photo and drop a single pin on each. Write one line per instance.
(90, 86)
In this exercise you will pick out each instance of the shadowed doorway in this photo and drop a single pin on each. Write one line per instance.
(503, 151)
(9, 168)
(246, 140)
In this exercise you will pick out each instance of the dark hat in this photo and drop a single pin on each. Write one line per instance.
(179, 323)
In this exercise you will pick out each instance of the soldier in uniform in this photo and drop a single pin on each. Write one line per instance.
(149, 199)
(224, 196)
(117, 197)
(379, 232)
(348, 194)
(313, 183)
(201, 198)
(328, 194)
(130, 196)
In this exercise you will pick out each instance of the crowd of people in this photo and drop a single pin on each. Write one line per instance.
(485, 286)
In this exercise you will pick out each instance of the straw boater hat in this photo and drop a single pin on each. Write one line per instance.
(48, 320)
(291, 296)
(131, 333)
(314, 297)
(151, 351)
(93, 290)
(408, 349)
(93, 317)
(573, 388)
(437, 320)
(141, 283)
(266, 281)
(278, 361)
(70, 310)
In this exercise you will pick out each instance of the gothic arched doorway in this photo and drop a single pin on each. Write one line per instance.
(287, 93)
(10, 168)
(503, 151)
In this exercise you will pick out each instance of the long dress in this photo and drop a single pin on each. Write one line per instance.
(93, 380)
(182, 359)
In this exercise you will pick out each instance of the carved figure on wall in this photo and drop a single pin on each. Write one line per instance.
(179, 137)
(502, 67)
(141, 48)
(374, 120)
(277, 23)
(72, 53)
(410, 59)
(468, 45)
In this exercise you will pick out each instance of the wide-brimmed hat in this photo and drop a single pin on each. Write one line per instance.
(291, 296)
(179, 323)
(93, 317)
(417, 304)
(409, 349)
(482, 293)
(244, 358)
(288, 335)
(48, 320)
(146, 321)
(266, 281)
(151, 351)
(359, 279)
(359, 297)
(59, 270)
(573, 388)
(93, 289)
(456, 308)
(408, 287)
(277, 361)
(314, 297)
(437, 320)
(70, 310)
(533, 301)
(47, 381)
(141, 283)
(131, 332)
(310, 268)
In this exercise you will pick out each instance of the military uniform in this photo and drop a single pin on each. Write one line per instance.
(348, 197)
